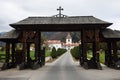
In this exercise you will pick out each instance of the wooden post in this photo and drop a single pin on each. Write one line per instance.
(94, 51)
(109, 59)
(37, 46)
(24, 46)
(97, 44)
(84, 53)
(43, 56)
(97, 52)
(28, 53)
(7, 52)
(13, 53)
(115, 56)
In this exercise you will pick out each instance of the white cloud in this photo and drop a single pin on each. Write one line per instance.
(15, 10)
(116, 23)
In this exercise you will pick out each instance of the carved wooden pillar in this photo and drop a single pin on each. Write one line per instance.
(81, 56)
(28, 53)
(24, 46)
(43, 56)
(109, 58)
(94, 51)
(7, 52)
(106, 57)
(115, 56)
(37, 46)
(13, 53)
(83, 44)
(97, 44)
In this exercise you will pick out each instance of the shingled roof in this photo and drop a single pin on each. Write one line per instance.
(64, 20)
(109, 33)
(54, 23)
(13, 34)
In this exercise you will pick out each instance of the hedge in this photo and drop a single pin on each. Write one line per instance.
(75, 52)
(55, 53)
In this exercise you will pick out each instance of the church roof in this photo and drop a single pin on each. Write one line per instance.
(83, 20)
(53, 42)
(68, 36)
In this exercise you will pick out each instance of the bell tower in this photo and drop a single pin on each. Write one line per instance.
(68, 39)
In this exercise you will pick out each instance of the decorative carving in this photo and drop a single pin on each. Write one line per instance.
(30, 34)
(89, 34)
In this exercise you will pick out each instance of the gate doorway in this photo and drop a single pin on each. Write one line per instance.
(29, 30)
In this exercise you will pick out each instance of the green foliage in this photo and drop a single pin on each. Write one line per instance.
(118, 44)
(75, 36)
(32, 55)
(55, 54)
(47, 53)
(2, 48)
(101, 56)
(43, 38)
(103, 46)
(60, 51)
(76, 52)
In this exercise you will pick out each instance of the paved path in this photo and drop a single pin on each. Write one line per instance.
(63, 68)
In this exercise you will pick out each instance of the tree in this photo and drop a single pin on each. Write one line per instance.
(53, 53)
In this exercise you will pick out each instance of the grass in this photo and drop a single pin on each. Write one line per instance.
(47, 53)
(2, 55)
(32, 53)
(101, 56)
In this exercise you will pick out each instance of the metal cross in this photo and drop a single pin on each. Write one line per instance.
(60, 9)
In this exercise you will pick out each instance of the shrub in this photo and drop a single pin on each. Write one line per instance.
(76, 52)
(55, 54)
(60, 51)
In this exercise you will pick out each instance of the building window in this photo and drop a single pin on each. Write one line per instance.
(68, 40)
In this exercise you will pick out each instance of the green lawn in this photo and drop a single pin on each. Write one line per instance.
(101, 56)
(32, 53)
(47, 53)
(2, 55)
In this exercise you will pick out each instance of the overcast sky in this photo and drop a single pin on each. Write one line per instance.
(15, 10)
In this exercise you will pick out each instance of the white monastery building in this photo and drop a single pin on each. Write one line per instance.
(58, 44)
(53, 43)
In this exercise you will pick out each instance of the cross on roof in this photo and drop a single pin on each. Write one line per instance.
(60, 9)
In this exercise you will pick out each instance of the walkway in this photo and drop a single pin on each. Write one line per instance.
(63, 68)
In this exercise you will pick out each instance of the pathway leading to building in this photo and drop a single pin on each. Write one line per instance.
(63, 68)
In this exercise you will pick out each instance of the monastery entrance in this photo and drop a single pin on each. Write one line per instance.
(28, 31)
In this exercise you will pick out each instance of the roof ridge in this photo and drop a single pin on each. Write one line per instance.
(56, 17)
